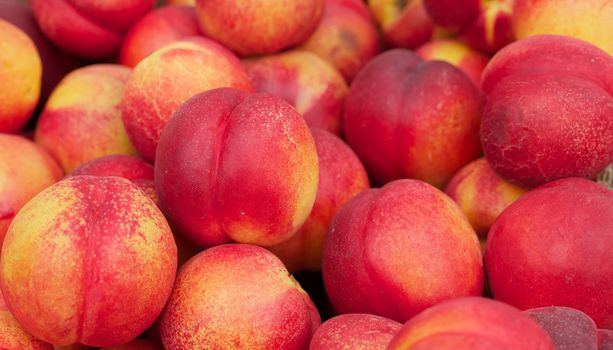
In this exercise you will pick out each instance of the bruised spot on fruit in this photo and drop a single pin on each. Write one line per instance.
(349, 37)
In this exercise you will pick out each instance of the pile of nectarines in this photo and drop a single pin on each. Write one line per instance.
(306, 174)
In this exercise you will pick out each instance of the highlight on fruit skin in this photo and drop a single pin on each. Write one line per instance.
(89, 260)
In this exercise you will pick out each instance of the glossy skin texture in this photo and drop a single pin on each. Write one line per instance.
(25, 170)
(356, 332)
(471, 323)
(552, 247)
(20, 77)
(89, 260)
(341, 177)
(406, 118)
(255, 27)
(469, 61)
(346, 36)
(483, 24)
(237, 296)
(590, 20)
(398, 250)
(307, 82)
(82, 120)
(13, 336)
(550, 118)
(88, 29)
(161, 82)
(158, 28)
(481, 194)
(568, 328)
(237, 167)
(403, 24)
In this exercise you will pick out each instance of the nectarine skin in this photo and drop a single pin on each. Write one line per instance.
(237, 167)
(158, 28)
(551, 55)
(552, 247)
(562, 124)
(89, 260)
(162, 81)
(82, 120)
(481, 194)
(605, 339)
(406, 118)
(129, 167)
(89, 29)
(356, 332)
(122, 165)
(20, 77)
(469, 61)
(55, 62)
(303, 79)
(561, 128)
(589, 20)
(237, 296)
(257, 27)
(136, 344)
(341, 177)
(398, 250)
(568, 328)
(471, 323)
(25, 170)
(13, 336)
(483, 24)
(403, 24)
(346, 36)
